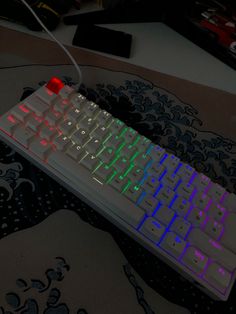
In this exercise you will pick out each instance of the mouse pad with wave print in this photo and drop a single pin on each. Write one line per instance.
(37, 277)
(64, 272)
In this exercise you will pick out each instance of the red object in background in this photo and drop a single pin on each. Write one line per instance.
(222, 28)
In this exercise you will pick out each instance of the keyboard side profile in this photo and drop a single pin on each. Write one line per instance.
(178, 214)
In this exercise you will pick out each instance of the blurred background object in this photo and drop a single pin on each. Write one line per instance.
(49, 11)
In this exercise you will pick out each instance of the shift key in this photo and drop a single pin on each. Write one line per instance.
(212, 248)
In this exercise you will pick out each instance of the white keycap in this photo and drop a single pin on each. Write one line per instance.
(152, 229)
(194, 259)
(214, 229)
(76, 152)
(218, 276)
(122, 164)
(37, 105)
(87, 124)
(164, 214)
(75, 115)
(103, 118)
(196, 217)
(148, 204)
(201, 200)
(165, 195)
(185, 190)
(171, 180)
(142, 161)
(90, 162)
(62, 106)
(62, 142)
(143, 144)
(216, 192)
(114, 141)
(48, 132)
(78, 100)
(34, 123)
(66, 92)
(201, 182)
(136, 174)
(181, 226)
(171, 162)
(128, 151)
(107, 154)
(212, 248)
(40, 147)
(217, 212)
(24, 135)
(67, 127)
(228, 238)
(173, 244)
(156, 153)
(90, 109)
(156, 170)
(230, 202)
(186, 172)
(133, 193)
(53, 118)
(119, 183)
(102, 133)
(116, 127)
(8, 123)
(80, 137)
(104, 172)
(130, 135)
(21, 112)
(181, 206)
(94, 146)
(46, 95)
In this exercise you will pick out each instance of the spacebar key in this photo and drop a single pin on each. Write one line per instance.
(112, 202)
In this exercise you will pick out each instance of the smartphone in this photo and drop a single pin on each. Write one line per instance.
(103, 39)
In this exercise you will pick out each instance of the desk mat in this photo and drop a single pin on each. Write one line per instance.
(34, 269)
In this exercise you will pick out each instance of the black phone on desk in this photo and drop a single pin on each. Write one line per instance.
(103, 39)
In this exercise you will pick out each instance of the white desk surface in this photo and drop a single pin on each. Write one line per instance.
(158, 47)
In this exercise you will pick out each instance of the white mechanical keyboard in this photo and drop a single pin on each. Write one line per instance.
(178, 214)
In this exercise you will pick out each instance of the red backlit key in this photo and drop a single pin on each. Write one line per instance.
(36, 105)
(46, 95)
(24, 135)
(21, 112)
(8, 123)
(41, 148)
(34, 123)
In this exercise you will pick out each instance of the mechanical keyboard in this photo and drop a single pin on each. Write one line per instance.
(178, 214)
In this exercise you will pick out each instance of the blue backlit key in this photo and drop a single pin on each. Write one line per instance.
(173, 244)
(164, 214)
(181, 227)
(151, 184)
(149, 204)
(152, 229)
